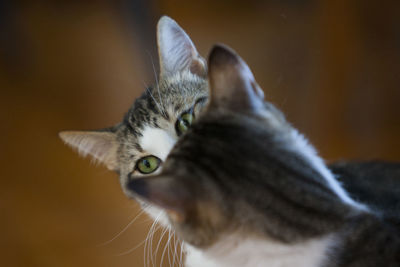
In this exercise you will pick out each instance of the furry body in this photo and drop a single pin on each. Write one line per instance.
(149, 128)
(245, 189)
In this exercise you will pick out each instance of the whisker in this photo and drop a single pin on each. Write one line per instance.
(175, 251)
(152, 259)
(181, 256)
(149, 235)
(169, 248)
(157, 84)
(138, 245)
(178, 251)
(123, 230)
(159, 242)
(166, 246)
(130, 250)
(155, 101)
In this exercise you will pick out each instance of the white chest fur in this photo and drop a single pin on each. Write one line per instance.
(235, 252)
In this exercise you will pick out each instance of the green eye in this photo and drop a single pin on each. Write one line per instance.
(184, 122)
(148, 164)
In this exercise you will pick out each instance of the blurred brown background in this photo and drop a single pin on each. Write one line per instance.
(332, 66)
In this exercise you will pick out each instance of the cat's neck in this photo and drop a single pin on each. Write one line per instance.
(251, 252)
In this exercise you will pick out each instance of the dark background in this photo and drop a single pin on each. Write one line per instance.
(332, 66)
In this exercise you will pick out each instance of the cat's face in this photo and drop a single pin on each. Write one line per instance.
(156, 121)
(139, 145)
(241, 168)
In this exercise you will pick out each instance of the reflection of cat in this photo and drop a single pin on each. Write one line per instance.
(244, 188)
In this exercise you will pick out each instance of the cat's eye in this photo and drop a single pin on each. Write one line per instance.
(184, 122)
(148, 164)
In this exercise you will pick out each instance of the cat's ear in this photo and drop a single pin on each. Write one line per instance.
(164, 191)
(176, 51)
(101, 145)
(232, 84)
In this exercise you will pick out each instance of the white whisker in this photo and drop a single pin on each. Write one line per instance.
(155, 101)
(175, 251)
(157, 84)
(166, 246)
(159, 242)
(152, 259)
(138, 245)
(181, 256)
(130, 250)
(149, 235)
(169, 247)
(123, 230)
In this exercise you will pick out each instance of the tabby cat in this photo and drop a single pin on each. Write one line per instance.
(140, 143)
(243, 188)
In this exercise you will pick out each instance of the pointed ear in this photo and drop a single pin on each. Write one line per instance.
(176, 51)
(232, 84)
(164, 191)
(101, 145)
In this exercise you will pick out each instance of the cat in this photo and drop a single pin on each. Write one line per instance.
(163, 112)
(140, 143)
(242, 187)
(157, 118)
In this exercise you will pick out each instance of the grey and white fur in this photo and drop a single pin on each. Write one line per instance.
(243, 188)
(149, 127)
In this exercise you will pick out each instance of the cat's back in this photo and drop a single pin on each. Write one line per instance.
(368, 242)
(375, 183)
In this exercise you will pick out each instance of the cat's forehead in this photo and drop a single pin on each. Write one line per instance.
(182, 88)
(157, 111)
(168, 96)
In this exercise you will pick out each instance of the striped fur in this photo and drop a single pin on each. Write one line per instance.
(180, 86)
(237, 184)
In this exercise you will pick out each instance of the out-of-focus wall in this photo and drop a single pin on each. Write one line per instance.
(331, 66)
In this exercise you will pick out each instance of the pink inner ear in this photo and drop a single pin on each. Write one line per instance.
(176, 51)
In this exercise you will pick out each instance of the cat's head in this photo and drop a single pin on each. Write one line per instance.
(241, 168)
(138, 145)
